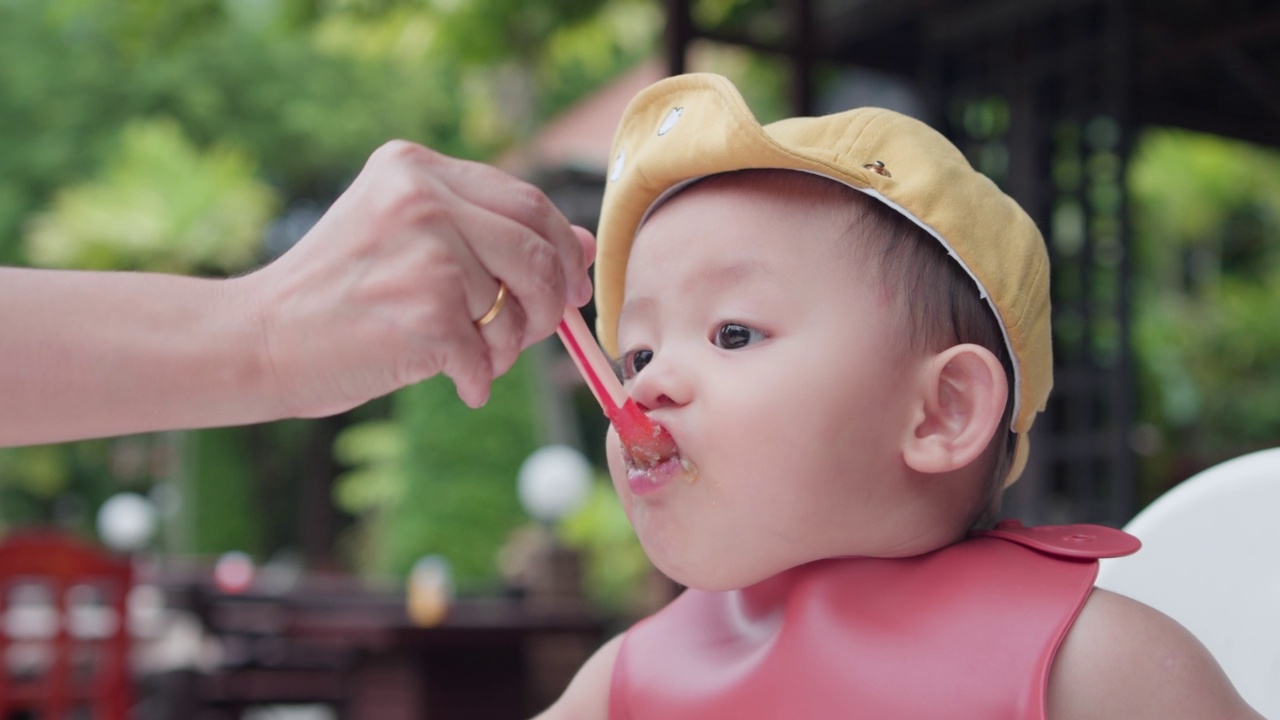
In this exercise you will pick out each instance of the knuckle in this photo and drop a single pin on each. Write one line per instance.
(545, 280)
(533, 204)
(545, 287)
(543, 262)
(403, 151)
(402, 196)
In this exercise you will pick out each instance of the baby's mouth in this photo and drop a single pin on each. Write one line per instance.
(646, 479)
(643, 458)
(650, 466)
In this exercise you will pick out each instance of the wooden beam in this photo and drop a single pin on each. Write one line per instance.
(802, 56)
(1255, 81)
(679, 34)
(1194, 49)
(1163, 112)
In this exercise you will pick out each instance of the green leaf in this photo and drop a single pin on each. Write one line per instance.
(161, 204)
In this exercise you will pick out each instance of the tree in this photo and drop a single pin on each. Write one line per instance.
(1206, 216)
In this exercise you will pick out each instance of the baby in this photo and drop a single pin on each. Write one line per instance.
(846, 331)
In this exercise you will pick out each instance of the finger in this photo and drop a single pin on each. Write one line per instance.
(471, 377)
(508, 250)
(456, 277)
(505, 332)
(588, 242)
(505, 336)
(467, 361)
(487, 245)
(498, 192)
(453, 289)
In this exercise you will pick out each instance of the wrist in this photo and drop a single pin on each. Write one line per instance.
(244, 302)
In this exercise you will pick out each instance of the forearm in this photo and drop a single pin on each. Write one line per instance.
(89, 354)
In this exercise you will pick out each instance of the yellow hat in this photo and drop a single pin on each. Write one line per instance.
(690, 126)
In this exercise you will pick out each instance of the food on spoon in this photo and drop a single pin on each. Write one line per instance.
(647, 443)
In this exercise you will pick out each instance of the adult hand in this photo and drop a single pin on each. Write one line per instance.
(383, 292)
(385, 289)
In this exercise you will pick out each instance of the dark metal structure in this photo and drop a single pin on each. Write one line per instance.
(1045, 96)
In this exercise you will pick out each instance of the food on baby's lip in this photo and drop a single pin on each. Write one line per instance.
(690, 470)
(646, 442)
(647, 445)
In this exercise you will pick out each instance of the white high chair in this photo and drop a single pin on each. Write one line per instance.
(1211, 560)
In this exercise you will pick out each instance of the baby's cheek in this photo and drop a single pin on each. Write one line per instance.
(613, 451)
(617, 469)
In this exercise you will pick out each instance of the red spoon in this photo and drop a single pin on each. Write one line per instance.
(647, 442)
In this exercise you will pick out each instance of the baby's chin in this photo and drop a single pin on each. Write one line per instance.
(712, 575)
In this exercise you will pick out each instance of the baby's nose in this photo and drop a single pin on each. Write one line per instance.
(660, 385)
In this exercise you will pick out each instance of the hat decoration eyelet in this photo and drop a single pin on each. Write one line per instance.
(670, 120)
(619, 163)
(878, 168)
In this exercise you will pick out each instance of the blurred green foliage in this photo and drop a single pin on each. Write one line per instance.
(1206, 217)
(615, 566)
(308, 88)
(439, 479)
(160, 203)
(219, 494)
(374, 453)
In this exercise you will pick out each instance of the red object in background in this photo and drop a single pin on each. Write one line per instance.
(64, 639)
(234, 572)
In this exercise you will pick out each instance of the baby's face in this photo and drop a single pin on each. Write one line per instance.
(779, 367)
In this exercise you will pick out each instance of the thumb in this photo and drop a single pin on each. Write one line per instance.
(582, 289)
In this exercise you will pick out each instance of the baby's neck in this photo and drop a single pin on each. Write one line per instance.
(758, 601)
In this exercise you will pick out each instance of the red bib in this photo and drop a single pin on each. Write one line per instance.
(966, 632)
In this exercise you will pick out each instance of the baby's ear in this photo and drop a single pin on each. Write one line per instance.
(962, 399)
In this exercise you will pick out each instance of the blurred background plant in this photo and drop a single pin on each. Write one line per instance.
(159, 203)
(615, 567)
(1206, 217)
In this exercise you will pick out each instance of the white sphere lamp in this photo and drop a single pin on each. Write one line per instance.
(553, 482)
(127, 522)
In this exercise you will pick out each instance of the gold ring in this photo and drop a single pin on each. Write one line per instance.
(495, 308)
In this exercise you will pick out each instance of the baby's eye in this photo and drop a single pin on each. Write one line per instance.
(634, 361)
(732, 336)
